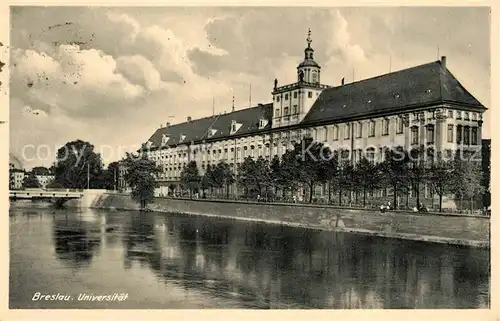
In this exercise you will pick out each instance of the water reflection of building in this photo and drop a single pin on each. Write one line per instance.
(273, 267)
(139, 240)
(74, 240)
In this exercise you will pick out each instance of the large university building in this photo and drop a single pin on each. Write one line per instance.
(420, 106)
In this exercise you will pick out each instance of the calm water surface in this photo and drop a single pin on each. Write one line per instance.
(174, 261)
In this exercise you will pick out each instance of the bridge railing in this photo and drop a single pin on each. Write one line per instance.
(74, 190)
(42, 193)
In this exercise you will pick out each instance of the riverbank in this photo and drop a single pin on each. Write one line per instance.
(457, 229)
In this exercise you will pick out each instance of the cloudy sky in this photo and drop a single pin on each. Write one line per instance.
(112, 76)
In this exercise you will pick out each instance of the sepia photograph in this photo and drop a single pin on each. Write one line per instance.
(218, 157)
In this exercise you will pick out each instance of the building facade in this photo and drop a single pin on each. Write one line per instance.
(16, 173)
(419, 106)
(44, 180)
(16, 178)
(122, 170)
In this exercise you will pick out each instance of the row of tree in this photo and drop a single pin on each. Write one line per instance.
(306, 166)
(310, 164)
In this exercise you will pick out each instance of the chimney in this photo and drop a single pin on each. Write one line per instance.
(189, 119)
(168, 124)
(342, 83)
(443, 61)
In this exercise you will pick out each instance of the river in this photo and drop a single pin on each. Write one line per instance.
(167, 261)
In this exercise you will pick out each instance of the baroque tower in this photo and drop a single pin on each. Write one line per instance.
(292, 102)
(308, 70)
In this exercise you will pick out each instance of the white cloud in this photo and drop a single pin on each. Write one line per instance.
(79, 82)
(341, 42)
(141, 71)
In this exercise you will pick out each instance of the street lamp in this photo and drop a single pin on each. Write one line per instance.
(88, 173)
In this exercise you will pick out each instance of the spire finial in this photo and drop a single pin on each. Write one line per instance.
(309, 40)
(233, 100)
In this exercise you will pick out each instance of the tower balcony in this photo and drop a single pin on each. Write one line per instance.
(299, 84)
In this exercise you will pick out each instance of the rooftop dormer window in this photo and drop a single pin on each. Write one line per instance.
(149, 144)
(212, 132)
(235, 126)
(181, 139)
(164, 139)
(263, 123)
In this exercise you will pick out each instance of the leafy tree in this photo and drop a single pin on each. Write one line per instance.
(346, 182)
(254, 174)
(263, 174)
(113, 174)
(224, 176)
(417, 173)
(466, 179)
(11, 178)
(31, 181)
(172, 187)
(104, 181)
(140, 176)
(486, 170)
(289, 172)
(312, 159)
(340, 173)
(331, 174)
(218, 176)
(75, 162)
(208, 180)
(441, 177)
(367, 176)
(394, 170)
(40, 170)
(247, 174)
(190, 177)
(276, 173)
(55, 184)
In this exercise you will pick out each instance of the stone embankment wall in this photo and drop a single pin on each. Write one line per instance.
(431, 227)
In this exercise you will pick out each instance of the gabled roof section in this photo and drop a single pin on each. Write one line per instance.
(248, 118)
(402, 90)
(198, 129)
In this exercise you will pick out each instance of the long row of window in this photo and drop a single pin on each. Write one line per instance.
(465, 115)
(370, 126)
(286, 111)
(429, 135)
(295, 95)
(464, 134)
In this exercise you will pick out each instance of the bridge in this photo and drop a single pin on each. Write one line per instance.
(54, 196)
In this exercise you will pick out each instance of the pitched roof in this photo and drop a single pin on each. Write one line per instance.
(198, 129)
(398, 91)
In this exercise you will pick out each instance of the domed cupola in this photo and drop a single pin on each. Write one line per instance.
(308, 70)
